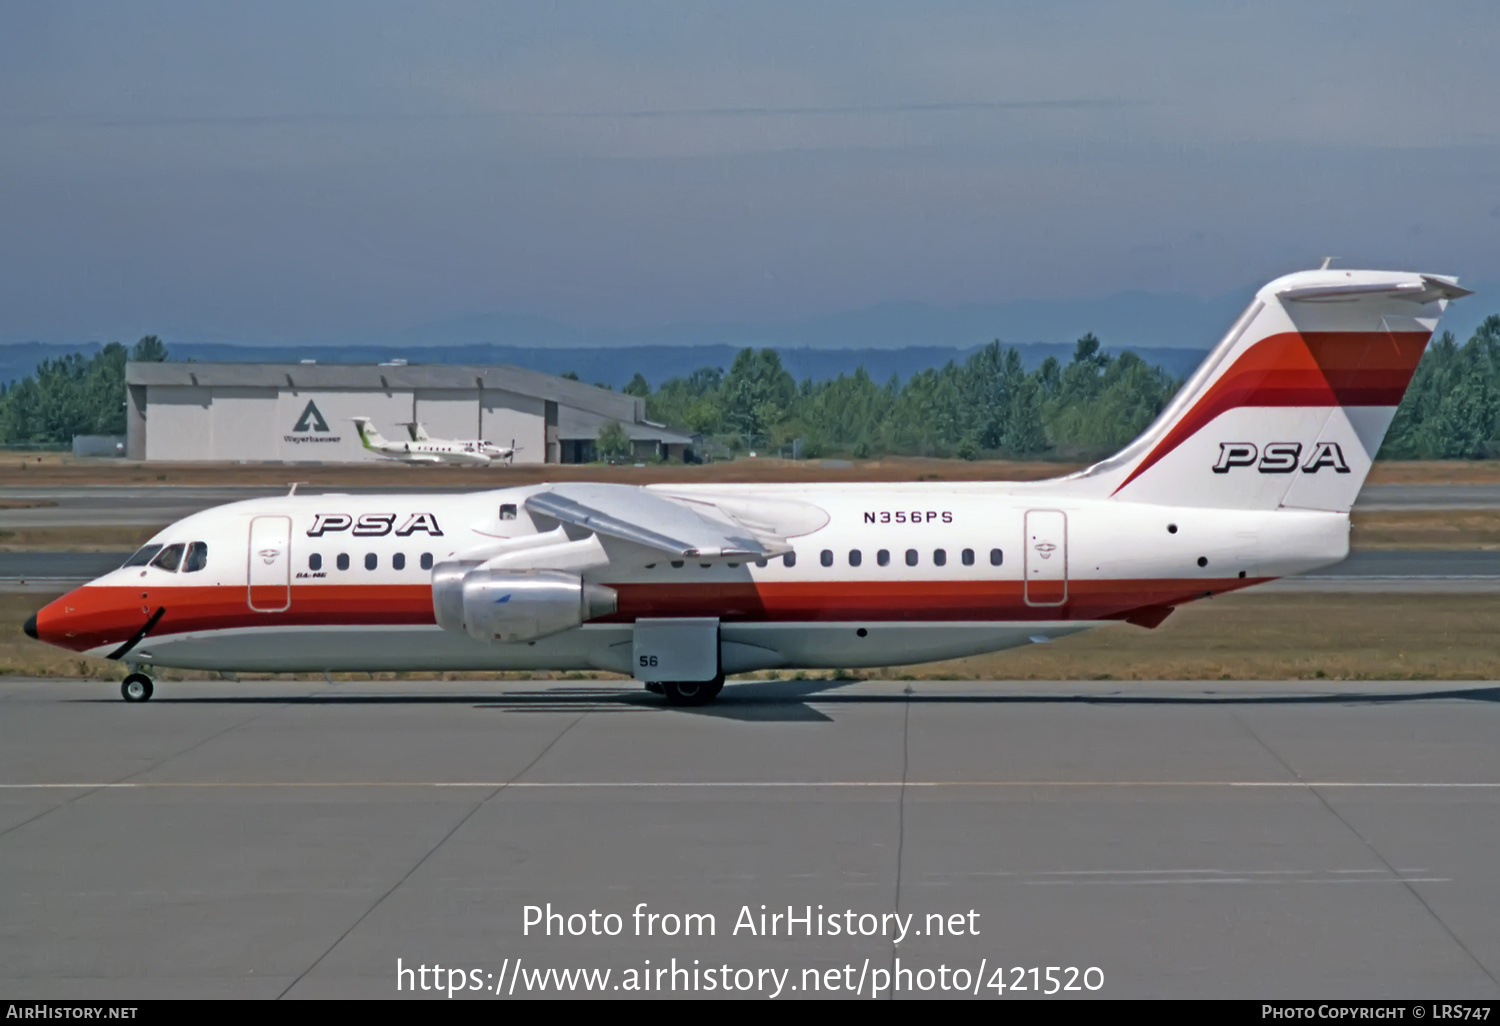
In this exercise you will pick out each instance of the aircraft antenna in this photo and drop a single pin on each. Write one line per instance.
(1326, 261)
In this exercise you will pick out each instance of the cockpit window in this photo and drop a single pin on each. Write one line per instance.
(143, 555)
(170, 558)
(197, 557)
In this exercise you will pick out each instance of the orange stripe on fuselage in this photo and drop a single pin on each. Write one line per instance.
(96, 616)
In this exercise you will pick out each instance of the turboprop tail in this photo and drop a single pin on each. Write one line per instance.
(1291, 407)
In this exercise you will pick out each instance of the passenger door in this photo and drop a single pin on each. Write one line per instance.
(270, 564)
(1046, 557)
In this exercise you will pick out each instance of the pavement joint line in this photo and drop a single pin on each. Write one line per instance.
(494, 791)
(750, 784)
(1320, 793)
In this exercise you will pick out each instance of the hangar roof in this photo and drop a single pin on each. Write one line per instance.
(383, 377)
(573, 424)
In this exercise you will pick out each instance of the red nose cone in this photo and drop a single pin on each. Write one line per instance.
(87, 618)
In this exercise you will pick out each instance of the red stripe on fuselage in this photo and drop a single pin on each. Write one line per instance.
(96, 616)
(1310, 369)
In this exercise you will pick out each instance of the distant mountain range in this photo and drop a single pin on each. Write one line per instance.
(1173, 331)
(611, 367)
(1128, 319)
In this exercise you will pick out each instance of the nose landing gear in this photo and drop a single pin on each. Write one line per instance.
(136, 688)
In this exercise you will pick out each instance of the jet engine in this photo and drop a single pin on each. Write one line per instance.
(514, 605)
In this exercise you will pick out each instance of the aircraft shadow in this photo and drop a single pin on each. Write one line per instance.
(788, 701)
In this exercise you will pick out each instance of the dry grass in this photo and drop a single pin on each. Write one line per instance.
(1243, 636)
(1270, 636)
(1426, 529)
(1435, 472)
(97, 538)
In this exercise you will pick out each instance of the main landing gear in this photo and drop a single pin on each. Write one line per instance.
(688, 692)
(136, 688)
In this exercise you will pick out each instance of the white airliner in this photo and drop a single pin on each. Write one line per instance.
(422, 449)
(1248, 475)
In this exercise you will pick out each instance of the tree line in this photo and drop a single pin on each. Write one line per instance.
(988, 405)
(72, 395)
(985, 406)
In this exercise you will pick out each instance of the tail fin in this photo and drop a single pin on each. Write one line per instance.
(1291, 407)
(368, 436)
(416, 430)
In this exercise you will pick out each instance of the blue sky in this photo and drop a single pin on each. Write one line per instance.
(327, 170)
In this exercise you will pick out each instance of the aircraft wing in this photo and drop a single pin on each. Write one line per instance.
(691, 528)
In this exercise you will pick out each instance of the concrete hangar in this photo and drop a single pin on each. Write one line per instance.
(301, 412)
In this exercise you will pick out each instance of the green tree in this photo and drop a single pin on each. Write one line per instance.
(1025, 434)
(613, 443)
(149, 349)
(638, 386)
(756, 395)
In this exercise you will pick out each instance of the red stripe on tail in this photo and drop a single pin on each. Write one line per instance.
(1316, 368)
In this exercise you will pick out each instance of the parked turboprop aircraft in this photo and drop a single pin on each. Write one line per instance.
(1247, 475)
(422, 449)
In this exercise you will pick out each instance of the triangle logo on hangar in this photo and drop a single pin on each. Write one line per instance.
(311, 419)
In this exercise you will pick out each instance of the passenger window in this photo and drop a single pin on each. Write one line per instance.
(790, 559)
(968, 557)
(197, 557)
(343, 561)
(996, 557)
(855, 558)
(371, 561)
(315, 562)
(426, 561)
(677, 564)
(883, 557)
(508, 511)
(398, 561)
(826, 557)
(143, 555)
(911, 557)
(169, 559)
(939, 557)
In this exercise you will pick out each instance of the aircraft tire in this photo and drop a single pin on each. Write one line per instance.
(136, 688)
(692, 692)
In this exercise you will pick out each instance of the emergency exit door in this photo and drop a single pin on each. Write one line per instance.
(270, 564)
(1046, 557)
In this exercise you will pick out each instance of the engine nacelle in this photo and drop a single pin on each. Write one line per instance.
(448, 592)
(511, 605)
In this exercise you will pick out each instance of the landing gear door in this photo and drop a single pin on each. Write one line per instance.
(1046, 557)
(682, 649)
(270, 564)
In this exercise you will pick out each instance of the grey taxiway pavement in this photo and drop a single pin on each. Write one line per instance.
(1223, 839)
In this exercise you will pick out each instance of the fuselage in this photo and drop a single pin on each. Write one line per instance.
(439, 451)
(897, 574)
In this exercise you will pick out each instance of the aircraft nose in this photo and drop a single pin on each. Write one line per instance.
(29, 627)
